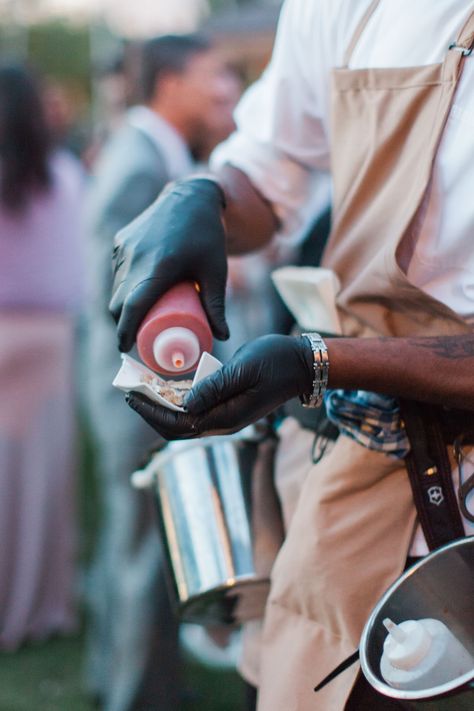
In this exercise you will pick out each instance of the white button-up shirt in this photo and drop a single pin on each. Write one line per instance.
(283, 137)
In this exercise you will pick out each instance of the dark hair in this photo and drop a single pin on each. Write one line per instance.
(24, 139)
(168, 53)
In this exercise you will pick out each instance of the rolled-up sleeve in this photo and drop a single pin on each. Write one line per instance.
(281, 137)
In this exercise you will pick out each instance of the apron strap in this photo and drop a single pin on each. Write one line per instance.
(463, 43)
(429, 470)
(465, 39)
(359, 30)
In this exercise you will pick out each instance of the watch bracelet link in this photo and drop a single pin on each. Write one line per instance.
(320, 371)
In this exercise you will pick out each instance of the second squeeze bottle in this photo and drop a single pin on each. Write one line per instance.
(175, 332)
(422, 654)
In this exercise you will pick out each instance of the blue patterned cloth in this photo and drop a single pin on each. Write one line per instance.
(372, 420)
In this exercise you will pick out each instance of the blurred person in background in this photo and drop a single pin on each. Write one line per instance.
(220, 122)
(133, 656)
(60, 114)
(41, 290)
(65, 109)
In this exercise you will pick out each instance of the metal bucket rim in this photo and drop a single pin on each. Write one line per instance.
(239, 581)
(184, 445)
(187, 607)
(381, 686)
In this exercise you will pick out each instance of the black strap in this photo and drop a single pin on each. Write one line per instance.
(430, 474)
(338, 670)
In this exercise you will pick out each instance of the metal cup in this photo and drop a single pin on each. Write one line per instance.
(202, 490)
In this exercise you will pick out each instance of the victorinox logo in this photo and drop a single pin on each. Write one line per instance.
(435, 495)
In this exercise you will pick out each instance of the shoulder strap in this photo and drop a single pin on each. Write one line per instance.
(359, 30)
(465, 39)
(429, 470)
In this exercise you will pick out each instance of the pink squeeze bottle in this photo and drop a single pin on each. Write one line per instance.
(175, 332)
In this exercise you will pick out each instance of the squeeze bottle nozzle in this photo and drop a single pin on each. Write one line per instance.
(175, 332)
(406, 648)
(176, 349)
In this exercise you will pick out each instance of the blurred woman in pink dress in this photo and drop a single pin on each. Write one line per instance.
(41, 284)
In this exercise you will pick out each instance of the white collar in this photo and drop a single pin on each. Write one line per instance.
(166, 138)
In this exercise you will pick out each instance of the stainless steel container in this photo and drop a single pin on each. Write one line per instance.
(202, 489)
(440, 586)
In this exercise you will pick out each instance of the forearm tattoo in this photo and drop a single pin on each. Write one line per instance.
(449, 347)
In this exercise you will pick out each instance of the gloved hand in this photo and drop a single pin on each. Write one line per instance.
(179, 238)
(261, 376)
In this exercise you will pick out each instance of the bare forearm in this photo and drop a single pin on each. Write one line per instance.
(438, 370)
(249, 219)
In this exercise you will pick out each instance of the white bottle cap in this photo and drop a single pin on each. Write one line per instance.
(407, 644)
(176, 349)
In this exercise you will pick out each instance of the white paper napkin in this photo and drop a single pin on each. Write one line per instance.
(310, 294)
(135, 376)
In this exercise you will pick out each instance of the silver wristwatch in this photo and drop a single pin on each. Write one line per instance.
(320, 370)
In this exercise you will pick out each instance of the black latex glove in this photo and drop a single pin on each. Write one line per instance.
(260, 377)
(179, 238)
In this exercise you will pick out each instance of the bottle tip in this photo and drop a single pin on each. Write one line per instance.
(176, 349)
(178, 360)
(394, 630)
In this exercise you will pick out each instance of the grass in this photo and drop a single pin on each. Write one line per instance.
(44, 677)
(48, 677)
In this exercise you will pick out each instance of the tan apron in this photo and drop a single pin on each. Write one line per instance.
(355, 517)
